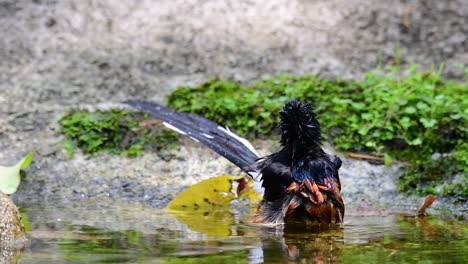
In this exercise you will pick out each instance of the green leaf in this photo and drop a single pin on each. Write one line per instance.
(27, 160)
(388, 159)
(405, 122)
(25, 222)
(422, 106)
(428, 123)
(251, 123)
(10, 176)
(363, 131)
(410, 110)
(416, 141)
(366, 116)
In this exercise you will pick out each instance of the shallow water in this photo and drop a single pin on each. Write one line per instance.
(132, 234)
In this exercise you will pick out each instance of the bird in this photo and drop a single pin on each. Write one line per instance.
(301, 183)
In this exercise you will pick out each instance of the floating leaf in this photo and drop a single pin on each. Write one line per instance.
(212, 194)
(10, 176)
(209, 202)
(213, 224)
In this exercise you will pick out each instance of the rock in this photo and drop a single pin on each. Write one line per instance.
(369, 183)
(12, 235)
(11, 227)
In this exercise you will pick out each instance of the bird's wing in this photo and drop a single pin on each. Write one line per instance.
(236, 149)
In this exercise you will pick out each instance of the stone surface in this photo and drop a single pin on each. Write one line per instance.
(12, 236)
(10, 220)
(57, 55)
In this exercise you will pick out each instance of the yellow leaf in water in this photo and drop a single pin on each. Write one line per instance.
(213, 194)
(205, 206)
(213, 224)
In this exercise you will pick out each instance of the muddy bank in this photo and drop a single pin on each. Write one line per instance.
(57, 55)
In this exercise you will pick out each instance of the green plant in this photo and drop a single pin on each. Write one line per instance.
(10, 176)
(408, 116)
(115, 131)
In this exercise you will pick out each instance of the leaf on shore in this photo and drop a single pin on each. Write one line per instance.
(10, 176)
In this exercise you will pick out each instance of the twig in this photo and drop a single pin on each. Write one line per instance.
(149, 123)
(427, 202)
(352, 155)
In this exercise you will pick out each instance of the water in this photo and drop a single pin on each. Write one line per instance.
(133, 234)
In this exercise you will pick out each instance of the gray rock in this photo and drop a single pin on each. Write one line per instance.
(12, 236)
(11, 227)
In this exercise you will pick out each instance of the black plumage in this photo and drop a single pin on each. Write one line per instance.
(301, 182)
(301, 178)
(220, 139)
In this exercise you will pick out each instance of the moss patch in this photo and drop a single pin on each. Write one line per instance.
(414, 117)
(116, 132)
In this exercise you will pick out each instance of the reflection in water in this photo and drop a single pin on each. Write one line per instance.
(296, 243)
(213, 224)
(140, 235)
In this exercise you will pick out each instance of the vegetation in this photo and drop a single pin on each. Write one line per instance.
(115, 132)
(418, 118)
(415, 117)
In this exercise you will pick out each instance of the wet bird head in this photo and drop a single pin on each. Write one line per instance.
(299, 124)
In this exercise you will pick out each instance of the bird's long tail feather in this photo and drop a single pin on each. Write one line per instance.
(236, 149)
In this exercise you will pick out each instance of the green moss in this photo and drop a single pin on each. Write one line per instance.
(115, 132)
(406, 118)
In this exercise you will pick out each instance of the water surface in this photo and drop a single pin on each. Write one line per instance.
(129, 234)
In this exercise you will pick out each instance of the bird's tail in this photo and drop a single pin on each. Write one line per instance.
(236, 149)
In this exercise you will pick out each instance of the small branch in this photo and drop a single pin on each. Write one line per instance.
(149, 123)
(352, 155)
(427, 202)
